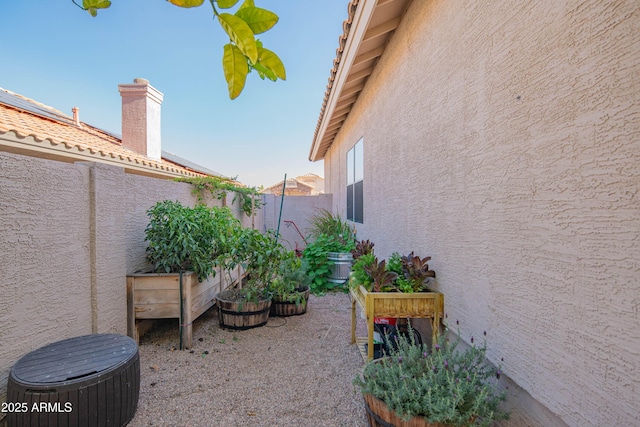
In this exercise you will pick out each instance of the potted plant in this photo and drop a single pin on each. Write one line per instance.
(329, 253)
(248, 305)
(290, 288)
(183, 245)
(445, 386)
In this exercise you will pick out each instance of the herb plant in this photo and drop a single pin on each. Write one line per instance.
(446, 385)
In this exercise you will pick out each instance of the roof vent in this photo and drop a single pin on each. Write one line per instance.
(76, 116)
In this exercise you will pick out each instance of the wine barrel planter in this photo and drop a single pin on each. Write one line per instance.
(293, 306)
(379, 415)
(241, 315)
(91, 380)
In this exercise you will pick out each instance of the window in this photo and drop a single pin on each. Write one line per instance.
(355, 172)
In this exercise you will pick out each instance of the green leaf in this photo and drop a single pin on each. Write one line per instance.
(235, 67)
(240, 33)
(258, 19)
(264, 72)
(92, 6)
(270, 60)
(247, 3)
(226, 4)
(186, 3)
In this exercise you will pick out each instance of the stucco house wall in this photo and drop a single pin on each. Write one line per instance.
(503, 140)
(69, 235)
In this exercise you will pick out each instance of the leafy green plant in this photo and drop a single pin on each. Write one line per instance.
(181, 238)
(445, 385)
(260, 255)
(244, 53)
(291, 279)
(382, 280)
(363, 247)
(249, 197)
(395, 265)
(319, 266)
(358, 274)
(416, 271)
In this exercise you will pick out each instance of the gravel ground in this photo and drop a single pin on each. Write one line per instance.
(295, 371)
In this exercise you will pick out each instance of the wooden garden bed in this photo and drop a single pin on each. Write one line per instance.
(157, 296)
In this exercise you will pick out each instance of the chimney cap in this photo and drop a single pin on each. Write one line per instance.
(141, 81)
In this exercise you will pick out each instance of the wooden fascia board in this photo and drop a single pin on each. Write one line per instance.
(356, 34)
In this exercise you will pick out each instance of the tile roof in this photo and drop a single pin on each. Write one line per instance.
(32, 128)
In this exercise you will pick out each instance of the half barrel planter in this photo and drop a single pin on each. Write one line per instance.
(380, 415)
(242, 315)
(293, 306)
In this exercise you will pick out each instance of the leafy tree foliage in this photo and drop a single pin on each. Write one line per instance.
(244, 53)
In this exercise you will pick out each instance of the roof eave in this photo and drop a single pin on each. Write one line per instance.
(361, 26)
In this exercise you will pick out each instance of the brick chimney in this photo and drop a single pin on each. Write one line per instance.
(141, 118)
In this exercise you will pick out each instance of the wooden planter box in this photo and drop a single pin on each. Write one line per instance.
(157, 296)
(393, 304)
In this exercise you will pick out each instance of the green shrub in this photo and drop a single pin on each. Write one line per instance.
(446, 385)
(181, 238)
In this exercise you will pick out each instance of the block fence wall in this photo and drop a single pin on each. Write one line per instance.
(298, 210)
(69, 235)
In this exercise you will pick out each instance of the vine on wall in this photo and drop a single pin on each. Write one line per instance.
(248, 197)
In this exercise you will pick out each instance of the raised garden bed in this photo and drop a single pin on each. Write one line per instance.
(157, 296)
(392, 304)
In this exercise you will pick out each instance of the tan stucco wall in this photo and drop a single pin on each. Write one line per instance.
(69, 235)
(503, 140)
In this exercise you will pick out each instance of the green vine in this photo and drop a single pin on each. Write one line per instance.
(248, 197)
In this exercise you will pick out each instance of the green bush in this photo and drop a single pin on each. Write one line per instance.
(446, 385)
(181, 238)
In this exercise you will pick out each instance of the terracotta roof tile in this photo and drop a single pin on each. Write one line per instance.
(62, 132)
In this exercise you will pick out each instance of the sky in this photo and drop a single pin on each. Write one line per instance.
(57, 54)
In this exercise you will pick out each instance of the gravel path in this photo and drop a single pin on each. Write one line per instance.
(295, 371)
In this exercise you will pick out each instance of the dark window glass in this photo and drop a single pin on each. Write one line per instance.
(350, 202)
(355, 174)
(357, 202)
